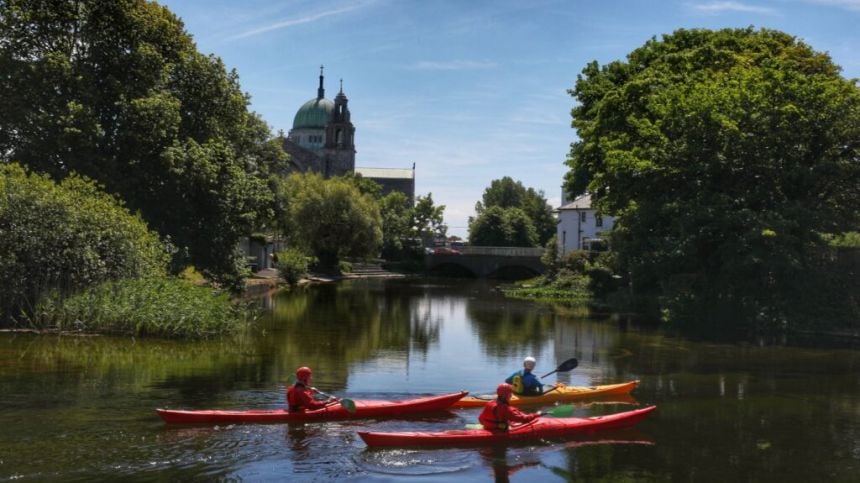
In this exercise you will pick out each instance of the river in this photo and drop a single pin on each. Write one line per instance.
(83, 408)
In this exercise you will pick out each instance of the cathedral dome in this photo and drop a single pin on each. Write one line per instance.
(314, 114)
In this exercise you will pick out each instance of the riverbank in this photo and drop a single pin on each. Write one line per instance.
(269, 279)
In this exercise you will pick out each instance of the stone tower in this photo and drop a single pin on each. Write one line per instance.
(339, 148)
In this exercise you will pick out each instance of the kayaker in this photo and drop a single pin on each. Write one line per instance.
(497, 414)
(300, 395)
(524, 382)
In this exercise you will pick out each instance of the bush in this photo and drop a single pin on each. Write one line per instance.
(293, 264)
(65, 237)
(157, 307)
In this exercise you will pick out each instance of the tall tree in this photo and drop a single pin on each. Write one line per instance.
(117, 91)
(725, 156)
(427, 218)
(502, 227)
(507, 193)
(331, 218)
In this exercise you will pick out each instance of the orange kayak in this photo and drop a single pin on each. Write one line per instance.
(563, 393)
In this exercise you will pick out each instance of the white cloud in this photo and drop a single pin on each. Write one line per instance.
(453, 65)
(285, 23)
(716, 8)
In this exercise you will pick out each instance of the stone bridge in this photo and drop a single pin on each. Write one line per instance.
(489, 262)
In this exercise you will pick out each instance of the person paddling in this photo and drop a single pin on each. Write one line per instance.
(524, 382)
(300, 395)
(497, 414)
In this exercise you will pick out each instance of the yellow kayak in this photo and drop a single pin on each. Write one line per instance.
(561, 393)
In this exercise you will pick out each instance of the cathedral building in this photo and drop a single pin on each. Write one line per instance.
(322, 140)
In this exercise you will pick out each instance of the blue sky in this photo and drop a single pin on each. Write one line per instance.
(470, 91)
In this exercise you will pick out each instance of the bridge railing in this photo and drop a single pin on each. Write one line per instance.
(502, 251)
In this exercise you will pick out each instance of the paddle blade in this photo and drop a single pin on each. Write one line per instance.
(474, 426)
(348, 404)
(563, 411)
(291, 379)
(565, 366)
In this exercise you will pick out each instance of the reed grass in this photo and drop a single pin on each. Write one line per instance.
(149, 307)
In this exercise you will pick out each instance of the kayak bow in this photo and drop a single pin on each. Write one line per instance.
(363, 409)
(539, 428)
(563, 393)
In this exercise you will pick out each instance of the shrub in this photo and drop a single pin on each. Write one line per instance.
(64, 237)
(293, 264)
(157, 307)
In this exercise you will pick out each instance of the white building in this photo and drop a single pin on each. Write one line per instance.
(579, 225)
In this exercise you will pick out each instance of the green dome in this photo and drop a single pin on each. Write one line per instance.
(313, 114)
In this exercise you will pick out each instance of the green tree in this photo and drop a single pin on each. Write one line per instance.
(61, 238)
(427, 219)
(507, 193)
(331, 219)
(502, 227)
(117, 91)
(396, 216)
(726, 156)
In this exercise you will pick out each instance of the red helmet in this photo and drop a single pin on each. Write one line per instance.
(303, 373)
(505, 390)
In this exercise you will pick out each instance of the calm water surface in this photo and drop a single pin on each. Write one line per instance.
(82, 408)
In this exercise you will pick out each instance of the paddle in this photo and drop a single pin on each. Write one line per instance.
(565, 366)
(345, 403)
(561, 411)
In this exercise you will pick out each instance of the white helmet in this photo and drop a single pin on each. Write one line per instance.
(529, 362)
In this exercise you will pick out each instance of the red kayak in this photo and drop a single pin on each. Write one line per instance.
(363, 409)
(545, 427)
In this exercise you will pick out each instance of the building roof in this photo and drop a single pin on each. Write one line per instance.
(392, 173)
(582, 202)
(314, 114)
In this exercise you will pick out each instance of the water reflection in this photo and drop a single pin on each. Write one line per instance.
(83, 408)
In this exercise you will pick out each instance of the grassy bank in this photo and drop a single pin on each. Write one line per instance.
(543, 290)
(156, 307)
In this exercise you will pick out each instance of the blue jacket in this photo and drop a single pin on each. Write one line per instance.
(531, 384)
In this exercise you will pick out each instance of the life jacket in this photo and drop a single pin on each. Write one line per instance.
(293, 402)
(490, 414)
(517, 383)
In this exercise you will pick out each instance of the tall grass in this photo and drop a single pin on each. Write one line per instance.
(155, 307)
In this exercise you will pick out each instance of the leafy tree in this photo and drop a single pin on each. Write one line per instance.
(427, 218)
(331, 219)
(396, 216)
(725, 156)
(117, 91)
(507, 193)
(502, 227)
(64, 237)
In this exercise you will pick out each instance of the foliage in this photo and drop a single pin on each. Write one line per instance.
(502, 227)
(396, 217)
(550, 257)
(192, 275)
(64, 237)
(507, 193)
(331, 219)
(724, 155)
(293, 264)
(427, 219)
(845, 240)
(154, 307)
(118, 92)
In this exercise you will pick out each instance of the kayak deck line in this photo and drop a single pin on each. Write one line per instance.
(541, 428)
(564, 393)
(363, 409)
